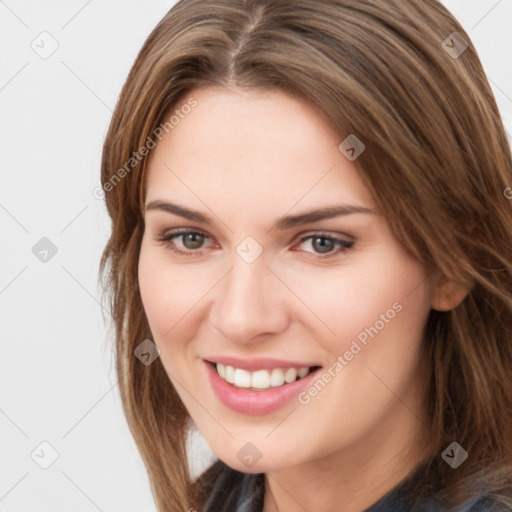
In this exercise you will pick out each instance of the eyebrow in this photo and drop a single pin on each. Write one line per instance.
(285, 222)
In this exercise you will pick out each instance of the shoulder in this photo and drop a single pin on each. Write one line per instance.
(485, 504)
(233, 491)
(398, 501)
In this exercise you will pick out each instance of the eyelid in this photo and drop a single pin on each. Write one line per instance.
(169, 234)
(341, 243)
(323, 233)
(298, 237)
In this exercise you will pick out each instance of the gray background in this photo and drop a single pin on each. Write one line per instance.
(57, 380)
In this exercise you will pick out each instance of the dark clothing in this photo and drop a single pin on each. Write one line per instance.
(234, 491)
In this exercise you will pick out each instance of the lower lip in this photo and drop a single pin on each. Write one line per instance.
(247, 401)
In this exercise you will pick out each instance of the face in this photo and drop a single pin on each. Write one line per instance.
(286, 312)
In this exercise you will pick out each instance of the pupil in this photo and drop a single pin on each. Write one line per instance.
(192, 240)
(323, 245)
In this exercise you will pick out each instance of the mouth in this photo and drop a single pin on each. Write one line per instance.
(261, 386)
(262, 379)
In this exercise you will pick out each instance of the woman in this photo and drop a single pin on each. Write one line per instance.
(310, 259)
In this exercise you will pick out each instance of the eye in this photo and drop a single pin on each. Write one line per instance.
(185, 242)
(192, 240)
(189, 242)
(324, 245)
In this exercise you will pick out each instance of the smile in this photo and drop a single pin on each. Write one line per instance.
(261, 387)
(260, 379)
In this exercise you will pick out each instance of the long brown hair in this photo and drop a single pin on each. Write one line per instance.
(437, 161)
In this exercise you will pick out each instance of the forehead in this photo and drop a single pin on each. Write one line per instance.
(241, 148)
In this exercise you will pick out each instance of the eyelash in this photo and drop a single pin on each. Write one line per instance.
(167, 240)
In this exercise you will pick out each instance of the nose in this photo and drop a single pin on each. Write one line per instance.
(249, 303)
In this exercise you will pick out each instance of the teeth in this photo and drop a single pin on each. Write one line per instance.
(303, 372)
(242, 378)
(230, 374)
(290, 375)
(260, 379)
(277, 377)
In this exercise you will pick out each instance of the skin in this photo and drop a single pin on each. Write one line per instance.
(246, 158)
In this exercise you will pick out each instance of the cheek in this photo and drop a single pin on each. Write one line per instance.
(365, 301)
(173, 297)
(164, 292)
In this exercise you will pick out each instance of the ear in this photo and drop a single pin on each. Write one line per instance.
(446, 293)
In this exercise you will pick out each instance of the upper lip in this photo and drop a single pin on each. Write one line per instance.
(258, 363)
